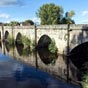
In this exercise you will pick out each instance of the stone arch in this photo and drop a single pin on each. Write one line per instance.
(0, 35)
(6, 41)
(0, 40)
(44, 41)
(45, 55)
(79, 56)
(18, 37)
(6, 35)
(19, 44)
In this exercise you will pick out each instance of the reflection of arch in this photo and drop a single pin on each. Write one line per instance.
(46, 56)
(0, 36)
(6, 34)
(7, 46)
(0, 40)
(6, 41)
(44, 41)
(18, 38)
(79, 55)
(43, 50)
(19, 44)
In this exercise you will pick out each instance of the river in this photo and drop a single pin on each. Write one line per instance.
(16, 73)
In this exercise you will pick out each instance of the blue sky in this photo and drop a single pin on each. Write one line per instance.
(20, 10)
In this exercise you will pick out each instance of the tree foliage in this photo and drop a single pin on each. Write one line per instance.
(68, 18)
(14, 23)
(53, 14)
(52, 46)
(27, 22)
(50, 14)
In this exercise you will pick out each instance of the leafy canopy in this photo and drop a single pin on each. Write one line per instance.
(68, 18)
(50, 14)
(27, 22)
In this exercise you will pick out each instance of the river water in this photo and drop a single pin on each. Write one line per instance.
(14, 74)
(17, 74)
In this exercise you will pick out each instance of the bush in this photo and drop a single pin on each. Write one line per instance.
(26, 41)
(10, 42)
(52, 47)
(85, 81)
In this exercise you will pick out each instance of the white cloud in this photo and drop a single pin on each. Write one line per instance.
(4, 15)
(10, 2)
(84, 13)
(36, 20)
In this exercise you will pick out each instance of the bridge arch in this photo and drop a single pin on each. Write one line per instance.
(19, 44)
(6, 34)
(18, 37)
(45, 55)
(6, 41)
(79, 56)
(0, 40)
(44, 41)
(0, 35)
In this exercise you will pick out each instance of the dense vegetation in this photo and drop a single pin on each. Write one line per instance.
(53, 14)
(16, 23)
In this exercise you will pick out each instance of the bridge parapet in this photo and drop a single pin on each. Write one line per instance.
(23, 27)
(52, 27)
(78, 26)
(78, 33)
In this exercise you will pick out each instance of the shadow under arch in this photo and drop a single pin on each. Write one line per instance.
(6, 35)
(19, 44)
(6, 41)
(0, 40)
(44, 41)
(45, 55)
(79, 56)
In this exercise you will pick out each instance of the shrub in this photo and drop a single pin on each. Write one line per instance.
(85, 81)
(52, 47)
(26, 41)
(10, 42)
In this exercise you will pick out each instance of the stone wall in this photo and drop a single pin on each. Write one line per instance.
(78, 34)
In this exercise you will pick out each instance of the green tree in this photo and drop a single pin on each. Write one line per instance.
(27, 22)
(68, 18)
(50, 14)
(14, 23)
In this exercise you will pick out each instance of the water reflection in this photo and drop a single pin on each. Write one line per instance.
(0, 44)
(43, 59)
(47, 61)
(46, 56)
(19, 48)
(23, 51)
(0, 41)
(15, 74)
(7, 45)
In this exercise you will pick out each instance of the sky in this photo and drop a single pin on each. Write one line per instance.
(21, 10)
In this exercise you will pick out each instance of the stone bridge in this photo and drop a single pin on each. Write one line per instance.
(78, 34)
(71, 40)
